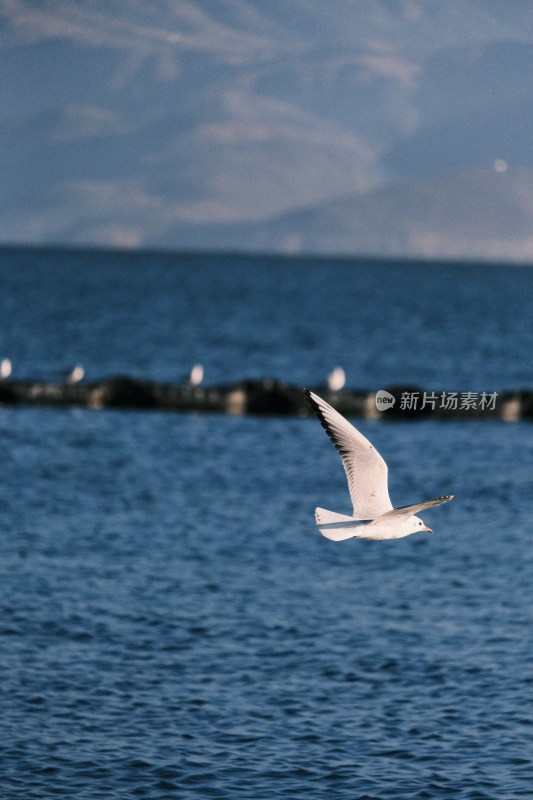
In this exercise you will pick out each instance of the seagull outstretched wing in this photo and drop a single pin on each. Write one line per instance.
(409, 511)
(365, 468)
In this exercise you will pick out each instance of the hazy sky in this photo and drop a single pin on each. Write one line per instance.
(138, 123)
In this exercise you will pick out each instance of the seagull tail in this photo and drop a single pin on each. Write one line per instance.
(337, 527)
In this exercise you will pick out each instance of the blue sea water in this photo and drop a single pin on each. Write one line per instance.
(171, 623)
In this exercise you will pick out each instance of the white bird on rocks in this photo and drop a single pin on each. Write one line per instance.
(336, 379)
(5, 368)
(197, 375)
(76, 375)
(373, 514)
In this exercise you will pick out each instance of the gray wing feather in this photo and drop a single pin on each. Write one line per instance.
(408, 511)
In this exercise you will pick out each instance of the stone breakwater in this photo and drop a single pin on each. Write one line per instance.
(268, 396)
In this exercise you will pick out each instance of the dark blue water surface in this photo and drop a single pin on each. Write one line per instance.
(171, 623)
(452, 327)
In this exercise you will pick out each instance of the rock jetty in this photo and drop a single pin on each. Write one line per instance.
(268, 396)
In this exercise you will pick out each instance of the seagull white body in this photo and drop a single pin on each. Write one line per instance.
(373, 514)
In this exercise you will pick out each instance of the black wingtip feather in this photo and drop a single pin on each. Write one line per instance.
(318, 411)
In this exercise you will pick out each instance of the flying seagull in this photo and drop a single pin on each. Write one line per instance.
(373, 514)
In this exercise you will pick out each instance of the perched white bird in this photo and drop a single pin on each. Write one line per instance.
(373, 514)
(197, 375)
(5, 368)
(76, 375)
(336, 379)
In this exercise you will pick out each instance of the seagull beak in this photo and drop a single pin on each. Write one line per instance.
(427, 530)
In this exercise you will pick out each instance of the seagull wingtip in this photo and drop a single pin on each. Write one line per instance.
(446, 498)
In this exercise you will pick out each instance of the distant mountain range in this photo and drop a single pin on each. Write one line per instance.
(380, 127)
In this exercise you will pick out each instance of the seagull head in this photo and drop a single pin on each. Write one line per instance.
(417, 525)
